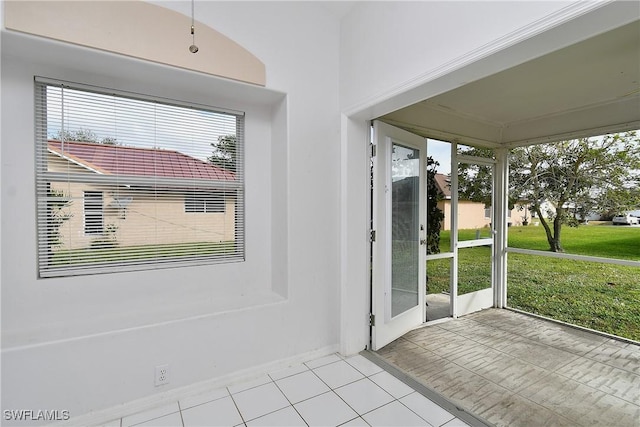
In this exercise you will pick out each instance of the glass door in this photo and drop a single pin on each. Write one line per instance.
(399, 208)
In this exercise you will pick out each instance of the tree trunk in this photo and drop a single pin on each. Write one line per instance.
(555, 244)
(544, 223)
(553, 238)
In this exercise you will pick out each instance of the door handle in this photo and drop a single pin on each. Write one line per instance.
(423, 241)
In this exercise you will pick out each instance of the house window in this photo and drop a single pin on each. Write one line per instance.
(93, 212)
(204, 203)
(120, 176)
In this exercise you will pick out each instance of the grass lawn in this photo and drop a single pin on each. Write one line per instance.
(599, 296)
(595, 239)
(604, 297)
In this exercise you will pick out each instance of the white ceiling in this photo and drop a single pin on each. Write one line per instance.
(590, 87)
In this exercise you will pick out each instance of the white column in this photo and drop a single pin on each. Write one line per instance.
(501, 188)
(453, 223)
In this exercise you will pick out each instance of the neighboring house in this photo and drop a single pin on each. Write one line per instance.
(473, 215)
(124, 212)
(548, 209)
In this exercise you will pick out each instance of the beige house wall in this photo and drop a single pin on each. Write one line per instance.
(470, 215)
(445, 207)
(150, 219)
(518, 213)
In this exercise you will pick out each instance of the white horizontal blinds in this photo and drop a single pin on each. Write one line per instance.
(126, 183)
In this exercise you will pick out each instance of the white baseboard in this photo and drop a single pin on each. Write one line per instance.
(99, 417)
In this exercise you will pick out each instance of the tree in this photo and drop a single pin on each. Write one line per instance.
(57, 202)
(475, 181)
(434, 214)
(620, 200)
(576, 177)
(564, 181)
(83, 135)
(224, 152)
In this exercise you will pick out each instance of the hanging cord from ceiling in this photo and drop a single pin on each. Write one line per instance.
(193, 48)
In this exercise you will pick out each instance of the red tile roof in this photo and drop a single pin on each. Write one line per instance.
(122, 160)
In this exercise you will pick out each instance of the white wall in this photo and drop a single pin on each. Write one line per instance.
(91, 342)
(387, 47)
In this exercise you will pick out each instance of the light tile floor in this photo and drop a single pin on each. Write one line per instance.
(330, 391)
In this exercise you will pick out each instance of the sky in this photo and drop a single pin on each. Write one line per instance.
(137, 123)
(441, 152)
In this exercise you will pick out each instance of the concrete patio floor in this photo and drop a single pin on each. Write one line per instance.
(510, 369)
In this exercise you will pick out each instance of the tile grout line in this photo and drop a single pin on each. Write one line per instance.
(332, 390)
(180, 412)
(151, 419)
(415, 391)
(289, 400)
(394, 399)
(208, 401)
(236, 405)
(367, 377)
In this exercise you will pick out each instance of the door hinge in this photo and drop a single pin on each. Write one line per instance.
(373, 150)
(372, 236)
(372, 319)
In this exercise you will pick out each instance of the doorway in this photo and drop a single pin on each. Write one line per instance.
(414, 278)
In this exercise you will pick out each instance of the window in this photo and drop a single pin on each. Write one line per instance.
(121, 175)
(487, 212)
(92, 212)
(204, 203)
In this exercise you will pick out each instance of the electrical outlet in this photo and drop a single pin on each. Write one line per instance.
(162, 375)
